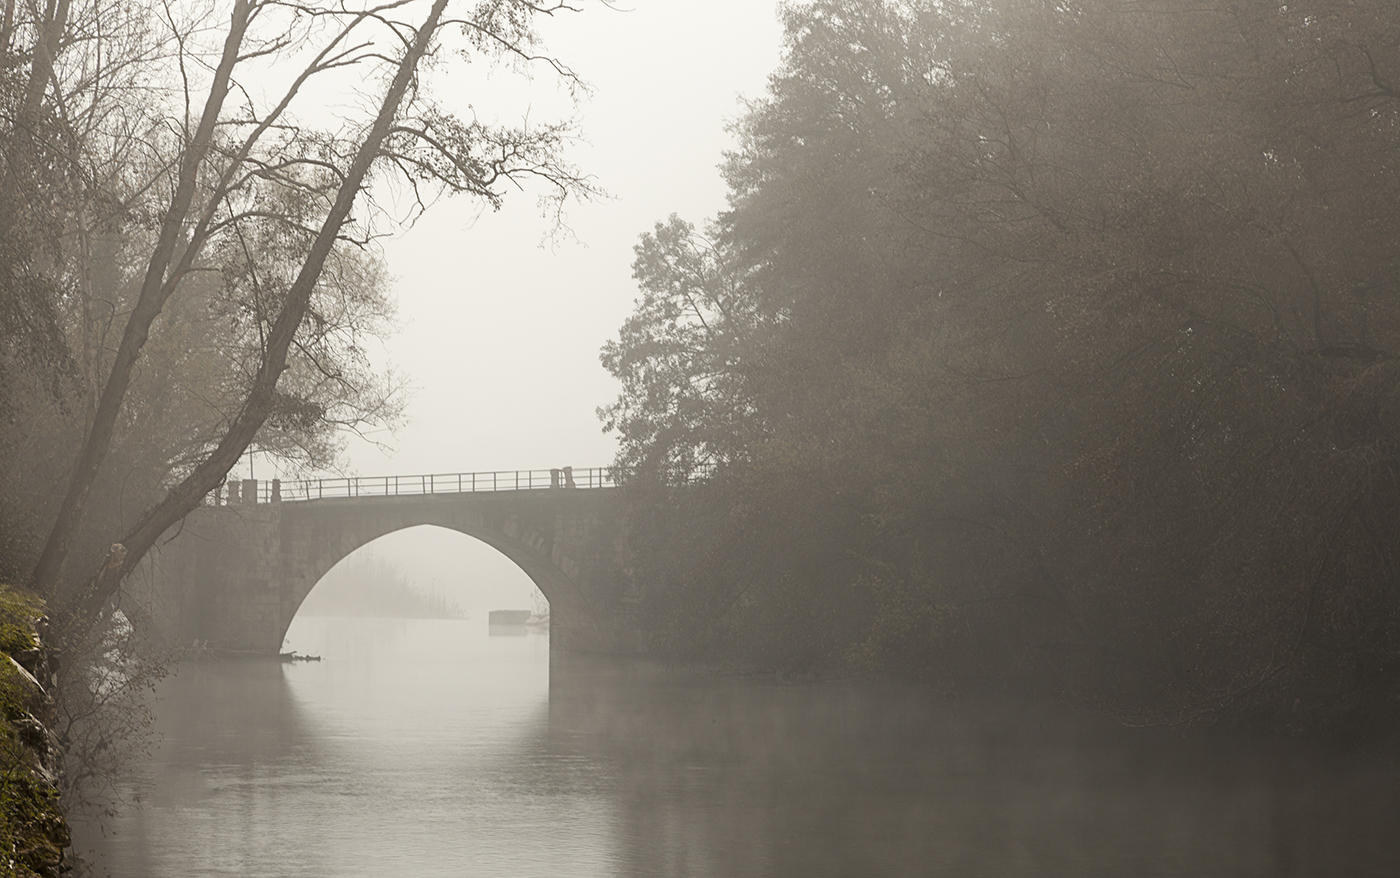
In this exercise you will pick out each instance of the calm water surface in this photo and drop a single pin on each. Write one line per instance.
(426, 748)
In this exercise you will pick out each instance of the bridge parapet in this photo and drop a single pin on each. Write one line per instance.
(253, 491)
(233, 576)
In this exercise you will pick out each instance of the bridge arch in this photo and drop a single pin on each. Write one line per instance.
(234, 576)
(543, 573)
(395, 574)
(316, 537)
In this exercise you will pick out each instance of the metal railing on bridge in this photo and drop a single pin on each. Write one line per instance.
(244, 491)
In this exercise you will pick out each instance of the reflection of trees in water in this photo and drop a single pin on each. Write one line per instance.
(637, 772)
(721, 777)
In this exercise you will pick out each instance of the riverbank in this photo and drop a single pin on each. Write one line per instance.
(33, 833)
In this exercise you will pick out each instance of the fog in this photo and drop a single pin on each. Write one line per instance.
(500, 343)
(699, 438)
(433, 562)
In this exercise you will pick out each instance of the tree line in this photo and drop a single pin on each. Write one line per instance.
(1045, 346)
(368, 585)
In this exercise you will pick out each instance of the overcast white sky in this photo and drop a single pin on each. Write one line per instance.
(498, 337)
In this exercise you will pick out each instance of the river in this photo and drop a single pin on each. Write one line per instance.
(427, 748)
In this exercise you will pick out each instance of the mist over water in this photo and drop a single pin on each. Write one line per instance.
(428, 747)
(914, 347)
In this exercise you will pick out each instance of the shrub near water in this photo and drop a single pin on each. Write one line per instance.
(32, 831)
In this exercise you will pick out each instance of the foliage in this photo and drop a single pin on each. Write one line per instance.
(189, 270)
(678, 357)
(1070, 352)
(104, 716)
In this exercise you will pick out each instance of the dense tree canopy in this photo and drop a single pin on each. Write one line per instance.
(1067, 352)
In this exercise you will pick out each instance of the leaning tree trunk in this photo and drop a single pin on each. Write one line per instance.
(78, 616)
(155, 290)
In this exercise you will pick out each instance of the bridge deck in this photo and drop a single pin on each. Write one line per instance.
(301, 490)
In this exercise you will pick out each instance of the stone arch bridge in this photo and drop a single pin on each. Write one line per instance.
(234, 573)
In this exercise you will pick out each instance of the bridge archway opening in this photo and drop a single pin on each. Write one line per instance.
(419, 572)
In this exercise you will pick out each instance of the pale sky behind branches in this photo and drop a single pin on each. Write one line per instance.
(499, 330)
(498, 336)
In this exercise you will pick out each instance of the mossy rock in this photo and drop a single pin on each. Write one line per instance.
(33, 833)
(19, 611)
(20, 693)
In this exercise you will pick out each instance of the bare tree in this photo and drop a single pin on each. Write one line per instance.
(236, 167)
